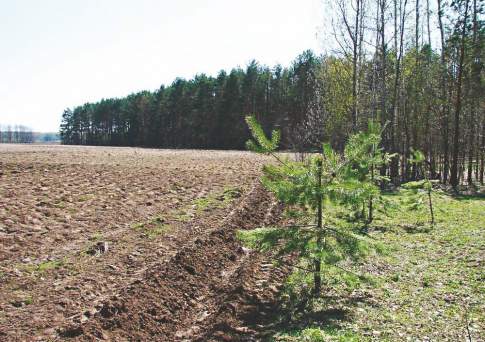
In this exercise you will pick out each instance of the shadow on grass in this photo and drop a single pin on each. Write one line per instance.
(325, 319)
(469, 197)
(465, 192)
(417, 228)
(462, 192)
(292, 317)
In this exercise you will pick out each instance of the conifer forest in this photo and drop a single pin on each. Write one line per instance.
(415, 66)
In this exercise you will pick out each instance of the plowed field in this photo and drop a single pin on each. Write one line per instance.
(129, 244)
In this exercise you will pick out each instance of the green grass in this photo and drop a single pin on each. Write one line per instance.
(22, 299)
(319, 335)
(44, 266)
(428, 285)
(86, 197)
(138, 225)
(217, 200)
(183, 215)
(152, 228)
(60, 205)
(158, 229)
(98, 236)
(156, 226)
(207, 203)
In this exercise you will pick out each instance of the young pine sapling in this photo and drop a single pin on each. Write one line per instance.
(424, 186)
(306, 185)
(365, 158)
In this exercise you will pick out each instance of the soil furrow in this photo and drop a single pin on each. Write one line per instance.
(176, 299)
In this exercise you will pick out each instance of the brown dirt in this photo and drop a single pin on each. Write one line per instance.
(173, 270)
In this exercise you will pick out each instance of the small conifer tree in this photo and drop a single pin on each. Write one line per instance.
(422, 188)
(325, 177)
(366, 157)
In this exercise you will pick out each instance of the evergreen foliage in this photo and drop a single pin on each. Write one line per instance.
(427, 86)
(366, 157)
(204, 112)
(420, 191)
(322, 179)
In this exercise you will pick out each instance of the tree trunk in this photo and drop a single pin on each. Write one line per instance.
(383, 100)
(430, 202)
(475, 94)
(355, 54)
(443, 100)
(416, 100)
(317, 276)
(482, 154)
(456, 135)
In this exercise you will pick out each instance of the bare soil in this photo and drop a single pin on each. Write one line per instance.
(131, 244)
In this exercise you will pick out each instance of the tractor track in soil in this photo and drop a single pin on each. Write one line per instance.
(209, 290)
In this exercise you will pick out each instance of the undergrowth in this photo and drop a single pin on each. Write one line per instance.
(427, 282)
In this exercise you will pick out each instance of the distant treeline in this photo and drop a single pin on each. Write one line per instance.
(204, 112)
(47, 137)
(427, 97)
(18, 134)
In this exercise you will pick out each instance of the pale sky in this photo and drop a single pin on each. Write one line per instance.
(56, 54)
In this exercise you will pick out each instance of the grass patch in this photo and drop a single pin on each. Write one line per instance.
(317, 334)
(152, 228)
(218, 200)
(43, 266)
(98, 236)
(22, 299)
(429, 283)
(158, 230)
(206, 203)
(60, 205)
(86, 197)
(139, 225)
(28, 300)
(183, 216)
